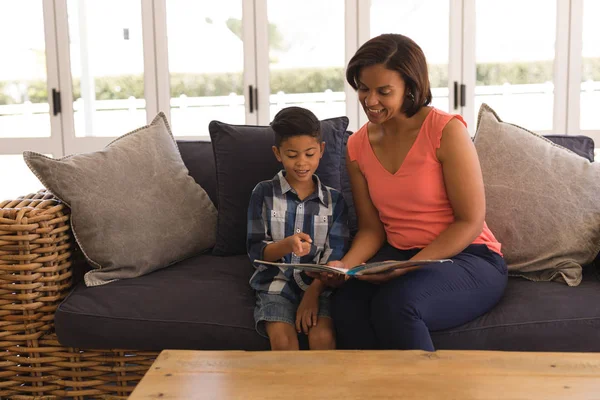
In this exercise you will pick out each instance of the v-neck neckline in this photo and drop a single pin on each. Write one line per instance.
(407, 154)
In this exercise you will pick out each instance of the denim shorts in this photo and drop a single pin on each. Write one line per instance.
(276, 308)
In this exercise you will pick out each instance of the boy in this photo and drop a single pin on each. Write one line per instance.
(295, 218)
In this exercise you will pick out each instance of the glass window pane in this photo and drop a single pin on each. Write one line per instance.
(206, 64)
(17, 179)
(23, 81)
(306, 59)
(427, 23)
(107, 66)
(590, 78)
(515, 61)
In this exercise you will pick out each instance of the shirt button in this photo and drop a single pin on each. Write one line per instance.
(297, 230)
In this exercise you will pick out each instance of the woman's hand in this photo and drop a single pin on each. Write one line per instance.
(329, 278)
(385, 277)
(308, 310)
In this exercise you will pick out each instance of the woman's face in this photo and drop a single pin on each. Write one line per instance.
(380, 92)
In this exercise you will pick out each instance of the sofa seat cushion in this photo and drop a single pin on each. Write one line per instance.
(534, 316)
(203, 302)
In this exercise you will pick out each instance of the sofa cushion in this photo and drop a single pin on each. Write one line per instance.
(542, 201)
(198, 158)
(243, 158)
(204, 302)
(347, 190)
(134, 207)
(578, 144)
(534, 316)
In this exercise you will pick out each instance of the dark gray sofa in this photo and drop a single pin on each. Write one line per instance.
(205, 302)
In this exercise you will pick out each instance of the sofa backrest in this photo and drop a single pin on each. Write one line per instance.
(199, 159)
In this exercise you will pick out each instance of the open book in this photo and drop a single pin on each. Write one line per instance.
(363, 269)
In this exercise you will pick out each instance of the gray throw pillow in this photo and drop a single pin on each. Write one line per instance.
(542, 201)
(134, 208)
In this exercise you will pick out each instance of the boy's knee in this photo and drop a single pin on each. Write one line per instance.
(321, 339)
(283, 340)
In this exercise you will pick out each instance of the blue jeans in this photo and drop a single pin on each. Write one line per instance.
(400, 313)
(276, 308)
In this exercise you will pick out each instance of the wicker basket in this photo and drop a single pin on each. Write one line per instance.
(35, 276)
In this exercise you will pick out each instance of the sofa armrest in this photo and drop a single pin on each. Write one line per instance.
(35, 267)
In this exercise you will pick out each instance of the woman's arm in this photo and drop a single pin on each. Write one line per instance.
(464, 187)
(371, 233)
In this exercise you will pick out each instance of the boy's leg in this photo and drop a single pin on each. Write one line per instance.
(282, 336)
(275, 316)
(322, 336)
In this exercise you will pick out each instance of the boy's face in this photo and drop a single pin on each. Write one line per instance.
(300, 157)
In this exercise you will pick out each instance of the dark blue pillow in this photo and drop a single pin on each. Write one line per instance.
(347, 190)
(243, 157)
(581, 145)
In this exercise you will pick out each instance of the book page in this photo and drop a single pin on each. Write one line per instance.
(304, 267)
(363, 269)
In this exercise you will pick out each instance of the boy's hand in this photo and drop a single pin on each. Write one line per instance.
(299, 244)
(308, 310)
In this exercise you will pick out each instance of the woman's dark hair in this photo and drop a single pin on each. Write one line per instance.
(295, 121)
(397, 53)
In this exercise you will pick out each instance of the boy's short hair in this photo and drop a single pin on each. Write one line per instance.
(295, 121)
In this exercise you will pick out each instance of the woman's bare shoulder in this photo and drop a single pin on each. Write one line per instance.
(455, 139)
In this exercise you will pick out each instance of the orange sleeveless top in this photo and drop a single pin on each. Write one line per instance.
(412, 203)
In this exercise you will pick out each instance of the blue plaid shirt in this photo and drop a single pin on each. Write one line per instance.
(275, 212)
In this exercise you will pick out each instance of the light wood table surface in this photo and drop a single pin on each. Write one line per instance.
(414, 374)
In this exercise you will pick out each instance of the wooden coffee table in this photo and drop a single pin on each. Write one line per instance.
(183, 374)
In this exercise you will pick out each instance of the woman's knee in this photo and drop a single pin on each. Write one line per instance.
(392, 307)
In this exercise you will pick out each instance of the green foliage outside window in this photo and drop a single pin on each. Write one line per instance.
(305, 80)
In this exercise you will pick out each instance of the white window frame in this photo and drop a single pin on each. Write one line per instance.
(161, 51)
(461, 68)
(72, 143)
(351, 27)
(575, 71)
(455, 54)
(468, 64)
(575, 64)
(455, 50)
(561, 67)
(45, 145)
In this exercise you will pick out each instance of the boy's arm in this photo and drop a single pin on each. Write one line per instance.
(257, 235)
(316, 288)
(277, 250)
(336, 244)
(259, 242)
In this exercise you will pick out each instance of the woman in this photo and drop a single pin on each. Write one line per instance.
(416, 182)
